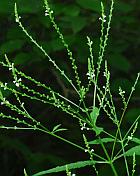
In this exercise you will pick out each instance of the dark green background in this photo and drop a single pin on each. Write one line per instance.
(77, 19)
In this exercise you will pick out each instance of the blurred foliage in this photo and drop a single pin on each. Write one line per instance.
(77, 19)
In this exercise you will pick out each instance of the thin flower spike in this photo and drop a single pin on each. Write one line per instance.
(43, 50)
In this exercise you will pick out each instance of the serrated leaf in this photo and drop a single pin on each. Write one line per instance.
(104, 140)
(133, 150)
(76, 165)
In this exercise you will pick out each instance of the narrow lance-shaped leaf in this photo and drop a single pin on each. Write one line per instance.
(76, 165)
(57, 129)
(103, 140)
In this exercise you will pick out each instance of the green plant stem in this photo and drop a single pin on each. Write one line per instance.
(69, 142)
(113, 169)
(117, 155)
(119, 124)
(109, 160)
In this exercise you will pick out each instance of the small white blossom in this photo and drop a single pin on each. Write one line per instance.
(2, 103)
(17, 84)
(47, 12)
(10, 68)
(129, 137)
(84, 124)
(73, 175)
(17, 19)
(92, 150)
(86, 150)
(22, 104)
(82, 128)
(90, 75)
(103, 18)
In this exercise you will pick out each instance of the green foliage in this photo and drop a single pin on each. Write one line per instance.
(11, 46)
(90, 4)
(103, 140)
(71, 166)
(133, 150)
(93, 115)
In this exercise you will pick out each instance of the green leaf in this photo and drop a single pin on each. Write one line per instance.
(78, 23)
(124, 7)
(93, 115)
(71, 10)
(90, 4)
(104, 140)
(76, 165)
(11, 46)
(22, 58)
(26, 6)
(15, 33)
(119, 62)
(132, 114)
(57, 129)
(133, 150)
(136, 140)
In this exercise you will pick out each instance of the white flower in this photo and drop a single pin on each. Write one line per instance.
(17, 84)
(100, 18)
(86, 150)
(92, 150)
(129, 137)
(47, 12)
(84, 124)
(22, 104)
(17, 19)
(103, 18)
(2, 103)
(90, 75)
(10, 68)
(82, 128)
